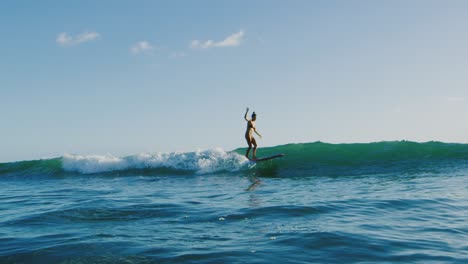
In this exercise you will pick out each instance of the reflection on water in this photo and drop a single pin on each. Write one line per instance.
(254, 200)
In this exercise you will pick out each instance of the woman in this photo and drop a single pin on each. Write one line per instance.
(249, 134)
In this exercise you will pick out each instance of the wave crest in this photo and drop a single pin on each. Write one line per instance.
(200, 162)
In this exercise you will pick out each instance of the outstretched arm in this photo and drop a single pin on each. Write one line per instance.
(257, 133)
(246, 112)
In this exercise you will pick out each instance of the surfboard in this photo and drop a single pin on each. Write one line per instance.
(268, 158)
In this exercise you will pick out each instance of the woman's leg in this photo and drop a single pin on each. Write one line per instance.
(249, 142)
(254, 148)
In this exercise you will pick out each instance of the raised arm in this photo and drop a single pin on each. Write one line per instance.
(245, 116)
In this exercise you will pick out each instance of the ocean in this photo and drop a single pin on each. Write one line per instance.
(383, 202)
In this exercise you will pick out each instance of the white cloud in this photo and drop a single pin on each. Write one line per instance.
(177, 55)
(454, 99)
(64, 39)
(231, 41)
(140, 47)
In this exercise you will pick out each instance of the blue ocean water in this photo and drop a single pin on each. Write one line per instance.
(384, 202)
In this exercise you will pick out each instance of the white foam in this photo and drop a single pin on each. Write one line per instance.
(201, 162)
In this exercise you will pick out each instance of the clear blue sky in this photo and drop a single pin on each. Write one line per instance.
(125, 77)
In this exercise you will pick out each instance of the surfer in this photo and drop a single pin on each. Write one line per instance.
(249, 134)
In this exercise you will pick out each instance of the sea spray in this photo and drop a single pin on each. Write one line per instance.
(200, 162)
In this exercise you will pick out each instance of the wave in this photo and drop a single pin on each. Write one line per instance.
(315, 158)
(197, 162)
(45, 167)
(319, 158)
(200, 162)
(359, 153)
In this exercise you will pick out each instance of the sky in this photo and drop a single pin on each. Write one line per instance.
(125, 77)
